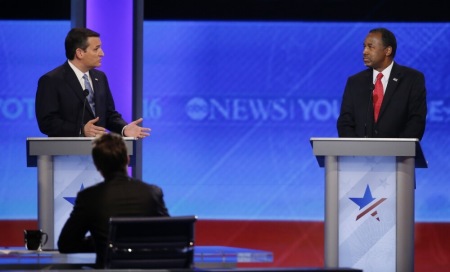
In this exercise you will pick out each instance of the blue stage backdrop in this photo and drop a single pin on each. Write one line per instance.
(232, 106)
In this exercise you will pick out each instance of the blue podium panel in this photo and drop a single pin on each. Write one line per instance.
(367, 213)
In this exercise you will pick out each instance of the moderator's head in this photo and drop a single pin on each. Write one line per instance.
(109, 154)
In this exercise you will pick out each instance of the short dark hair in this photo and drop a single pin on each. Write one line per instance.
(109, 153)
(387, 37)
(78, 38)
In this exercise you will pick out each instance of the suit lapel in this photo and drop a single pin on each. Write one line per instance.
(393, 81)
(74, 84)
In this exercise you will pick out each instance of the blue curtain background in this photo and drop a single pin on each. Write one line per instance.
(232, 106)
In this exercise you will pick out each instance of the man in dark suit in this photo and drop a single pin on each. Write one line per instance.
(403, 106)
(117, 195)
(74, 99)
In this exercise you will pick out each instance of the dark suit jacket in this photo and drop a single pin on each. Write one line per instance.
(118, 196)
(59, 103)
(403, 110)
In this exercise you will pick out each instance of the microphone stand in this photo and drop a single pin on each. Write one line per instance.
(85, 93)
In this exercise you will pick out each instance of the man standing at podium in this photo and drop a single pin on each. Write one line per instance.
(74, 99)
(387, 100)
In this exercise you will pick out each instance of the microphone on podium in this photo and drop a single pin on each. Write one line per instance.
(85, 93)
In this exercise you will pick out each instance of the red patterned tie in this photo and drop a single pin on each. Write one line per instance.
(377, 96)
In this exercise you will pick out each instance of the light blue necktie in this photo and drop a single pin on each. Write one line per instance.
(90, 96)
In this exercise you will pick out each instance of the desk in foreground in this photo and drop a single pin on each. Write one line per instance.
(228, 257)
(204, 257)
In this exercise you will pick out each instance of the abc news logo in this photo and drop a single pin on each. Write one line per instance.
(240, 109)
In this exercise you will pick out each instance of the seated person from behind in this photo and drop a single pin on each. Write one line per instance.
(117, 195)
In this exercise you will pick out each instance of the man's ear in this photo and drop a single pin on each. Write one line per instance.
(79, 53)
(388, 51)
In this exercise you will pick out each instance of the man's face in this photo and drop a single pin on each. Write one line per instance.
(375, 53)
(92, 57)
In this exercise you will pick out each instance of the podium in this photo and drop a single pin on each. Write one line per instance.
(64, 167)
(369, 201)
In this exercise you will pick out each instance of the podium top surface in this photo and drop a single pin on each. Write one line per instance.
(55, 146)
(397, 147)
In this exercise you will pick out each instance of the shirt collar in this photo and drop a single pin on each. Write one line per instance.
(79, 74)
(386, 73)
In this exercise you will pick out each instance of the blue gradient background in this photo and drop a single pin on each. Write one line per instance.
(232, 106)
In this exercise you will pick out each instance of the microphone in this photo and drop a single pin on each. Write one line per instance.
(372, 87)
(85, 93)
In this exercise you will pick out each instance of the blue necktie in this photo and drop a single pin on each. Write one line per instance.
(90, 96)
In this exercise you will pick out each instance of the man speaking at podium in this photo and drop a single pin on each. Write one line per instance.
(387, 100)
(74, 99)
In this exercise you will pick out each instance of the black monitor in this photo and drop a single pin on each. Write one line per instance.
(150, 242)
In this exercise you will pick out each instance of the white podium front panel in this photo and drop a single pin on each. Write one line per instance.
(71, 174)
(367, 213)
(376, 231)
